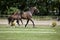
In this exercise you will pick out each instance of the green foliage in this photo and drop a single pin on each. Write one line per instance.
(12, 9)
(43, 5)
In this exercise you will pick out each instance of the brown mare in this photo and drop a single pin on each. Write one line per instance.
(26, 15)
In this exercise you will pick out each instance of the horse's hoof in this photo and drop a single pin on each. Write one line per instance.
(25, 26)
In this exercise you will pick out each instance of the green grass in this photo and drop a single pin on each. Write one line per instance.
(30, 36)
(42, 17)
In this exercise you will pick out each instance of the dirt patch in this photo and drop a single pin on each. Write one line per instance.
(49, 22)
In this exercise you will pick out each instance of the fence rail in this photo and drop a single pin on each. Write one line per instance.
(36, 17)
(4, 15)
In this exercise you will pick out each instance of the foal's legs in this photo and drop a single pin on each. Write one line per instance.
(21, 21)
(27, 22)
(18, 22)
(32, 22)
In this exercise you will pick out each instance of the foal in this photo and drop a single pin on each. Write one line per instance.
(28, 15)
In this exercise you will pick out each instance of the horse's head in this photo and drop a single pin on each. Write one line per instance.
(36, 10)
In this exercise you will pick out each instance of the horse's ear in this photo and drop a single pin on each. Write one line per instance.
(35, 7)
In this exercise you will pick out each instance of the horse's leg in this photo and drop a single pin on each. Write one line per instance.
(27, 22)
(9, 20)
(18, 22)
(12, 22)
(32, 22)
(21, 21)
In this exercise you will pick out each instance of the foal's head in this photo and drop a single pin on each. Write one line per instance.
(34, 9)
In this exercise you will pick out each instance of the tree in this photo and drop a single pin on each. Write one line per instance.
(44, 6)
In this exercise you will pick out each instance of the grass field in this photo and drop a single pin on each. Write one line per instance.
(29, 33)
